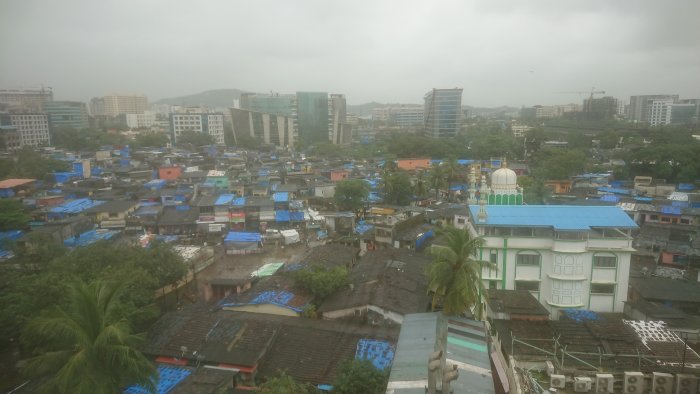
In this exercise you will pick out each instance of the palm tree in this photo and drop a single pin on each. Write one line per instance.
(451, 169)
(419, 184)
(87, 347)
(436, 179)
(454, 275)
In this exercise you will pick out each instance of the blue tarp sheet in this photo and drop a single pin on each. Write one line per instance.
(581, 315)
(671, 210)
(155, 184)
(89, 237)
(75, 206)
(644, 199)
(296, 216)
(686, 187)
(374, 197)
(609, 198)
(239, 202)
(63, 177)
(464, 162)
(363, 228)
(615, 190)
(282, 216)
(280, 197)
(225, 199)
(421, 240)
(234, 236)
(168, 378)
(380, 353)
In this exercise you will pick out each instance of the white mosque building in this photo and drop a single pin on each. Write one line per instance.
(504, 189)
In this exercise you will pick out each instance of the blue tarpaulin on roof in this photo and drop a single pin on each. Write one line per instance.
(644, 199)
(89, 237)
(617, 184)
(239, 202)
(363, 228)
(234, 236)
(263, 173)
(374, 197)
(156, 184)
(609, 198)
(686, 187)
(424, 237)
(671, 210)
(581, 315)
(296, 216)
(168, 378)
(615, 190)
(680, 204)
(182, 207)
(63, 177)
(225, 199)
(75, 206)
(282, 216)
(464, 162)
(458, 187)
(380, 353)
(280, 197)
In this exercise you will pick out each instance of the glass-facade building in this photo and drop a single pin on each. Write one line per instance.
(442, 112)
(276, 104)
(66, 114)
(312, 117)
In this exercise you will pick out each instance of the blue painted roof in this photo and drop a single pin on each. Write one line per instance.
(281, 197)
(234, 236)
(561, 217)
(89, 237)
(240, 201)
(616, 190)
(296, 216)
(225, 199)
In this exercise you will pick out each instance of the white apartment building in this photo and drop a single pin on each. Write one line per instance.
(33, 129)
(519, 130)
(138, 121)
(660, 112)
(207, 123)
(568, 257)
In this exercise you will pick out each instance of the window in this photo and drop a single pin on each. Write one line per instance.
(604, 261)
(654, 217)
(602, 288)
(493, 285)
(528, 259)
(493, 257)
(460, 221)
(527, 285)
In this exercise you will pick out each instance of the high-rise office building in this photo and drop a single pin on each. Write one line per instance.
(66, 114)
(639, 106)
(117, 104)
(30, 100)
(191, 120)
(139, 121)
(273, 103)
(268, 128)
(442, 112)
(312, 117)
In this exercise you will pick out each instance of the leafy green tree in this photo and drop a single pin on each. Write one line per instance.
(454, 274)
(360, 376)
(6, 167)
(555, 163)
(351, 194)
(87, 346)
(12, 215)
(400, 189)
(285, 384)
(151, 139)
(320, 281)
(194, 138)
(31, 164)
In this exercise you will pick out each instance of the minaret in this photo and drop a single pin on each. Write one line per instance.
(482, 200)
(472, 187)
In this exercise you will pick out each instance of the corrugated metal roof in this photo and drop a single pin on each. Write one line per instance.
(561, 217)
(280, 197)
(234, 236)
(8, 183)
(225, 199)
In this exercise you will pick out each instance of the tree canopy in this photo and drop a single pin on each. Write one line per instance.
(151, 139)
(400, 189)
(360, 376)
(321, 281)
(283, 383)
(351, 194)
(12, 215)
(86, 346)
(194, 138)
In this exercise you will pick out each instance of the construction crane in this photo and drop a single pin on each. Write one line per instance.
(587, 106)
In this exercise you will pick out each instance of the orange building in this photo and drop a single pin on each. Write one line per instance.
(170, 173)
(413, 164)
(338, 175)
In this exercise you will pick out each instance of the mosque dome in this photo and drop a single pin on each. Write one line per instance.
(504, 178)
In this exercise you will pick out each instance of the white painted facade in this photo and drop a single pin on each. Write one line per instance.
(562, 269)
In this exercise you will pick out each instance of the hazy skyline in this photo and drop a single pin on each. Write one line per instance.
(500, 52)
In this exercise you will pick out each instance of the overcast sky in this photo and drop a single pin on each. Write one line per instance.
(500, 52)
